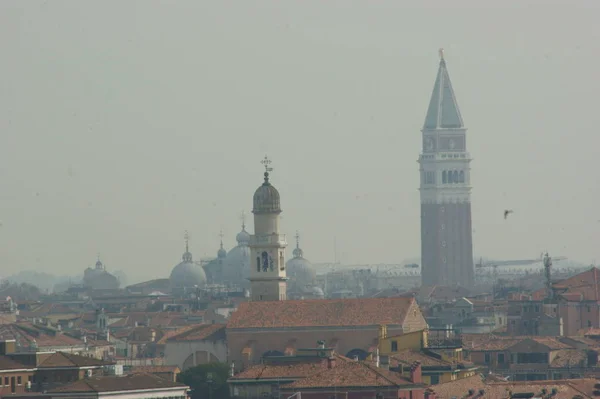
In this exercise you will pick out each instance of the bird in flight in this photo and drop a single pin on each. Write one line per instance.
(507, 212)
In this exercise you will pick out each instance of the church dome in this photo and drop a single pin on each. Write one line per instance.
(299, 270)
(266, 198)
(318, 292)
(187, 274)
(243, 237)
(221, 253)
(237, 262)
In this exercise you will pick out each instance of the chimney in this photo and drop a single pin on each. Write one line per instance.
(429, 394)
(355, 358)
(321, 344)
(377, 357)
(232, 369)
(331, 362)
(382, 331)
(416, 375)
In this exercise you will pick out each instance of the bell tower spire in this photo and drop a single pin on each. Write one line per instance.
(268, 278)
(445, 190)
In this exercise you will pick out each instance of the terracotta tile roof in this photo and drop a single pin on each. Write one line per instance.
(26, 333)
(321, 312)
(293, 371)
(129, 382)
(491, 342)
(569, 358)
(6, 363)
(500, 390)
(487, 342)
(352, 374)
(551, 342)
(61, 359)
(198, 332)
(410, 356)
(589, 331)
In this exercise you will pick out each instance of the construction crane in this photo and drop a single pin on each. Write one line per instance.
(494, 265)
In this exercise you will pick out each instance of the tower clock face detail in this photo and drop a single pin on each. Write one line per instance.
(429, 144)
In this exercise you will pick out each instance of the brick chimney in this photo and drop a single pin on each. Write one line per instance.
(416, 375)
(331, 362)
(429, 394)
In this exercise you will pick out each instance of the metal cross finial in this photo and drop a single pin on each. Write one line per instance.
(266, 162)
(243, 218)
(441, 52)
(186, 237)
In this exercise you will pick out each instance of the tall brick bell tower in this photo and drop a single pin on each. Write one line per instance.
(446, 233)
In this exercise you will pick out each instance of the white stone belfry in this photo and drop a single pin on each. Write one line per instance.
(268, 280)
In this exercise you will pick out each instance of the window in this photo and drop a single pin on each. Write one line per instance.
(487, 358)
(434, 379)
(537, 308)
(461, 176)
(455, 176)
(588, 308)
(589, 323)
(394, 346)
(6, 381)
(450, 177)
(258, 263)
(19, 380)
(500, 358)
(444, 177)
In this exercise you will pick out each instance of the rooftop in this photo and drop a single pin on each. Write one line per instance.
(322, 312)
(129, 382)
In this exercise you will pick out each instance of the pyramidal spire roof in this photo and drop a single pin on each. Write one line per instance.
(443, 112)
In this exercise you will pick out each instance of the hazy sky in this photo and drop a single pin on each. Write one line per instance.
(124, 123)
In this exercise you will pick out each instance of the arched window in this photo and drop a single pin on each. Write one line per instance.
(265, 261)
(450, 177)
(461, 176)
(444, 177)
(258, 263)
(455, 176)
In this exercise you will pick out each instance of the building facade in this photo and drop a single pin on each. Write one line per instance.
(446, 234)
(268, 280)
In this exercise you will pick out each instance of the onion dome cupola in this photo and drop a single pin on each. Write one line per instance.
(266, 197)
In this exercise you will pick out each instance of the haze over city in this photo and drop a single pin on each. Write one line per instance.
(126, 123)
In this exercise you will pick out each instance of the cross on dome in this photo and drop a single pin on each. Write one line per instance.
(266, 162)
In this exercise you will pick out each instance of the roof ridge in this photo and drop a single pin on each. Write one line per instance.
(378, 372)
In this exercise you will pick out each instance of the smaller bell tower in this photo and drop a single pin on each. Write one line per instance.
(268, 280)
